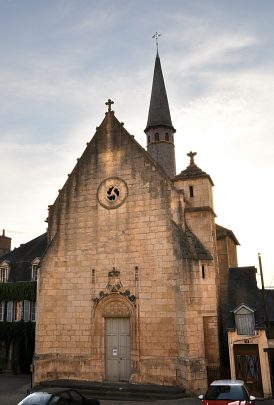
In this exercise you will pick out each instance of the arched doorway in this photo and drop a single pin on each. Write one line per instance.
(115, 316)
(117, 349)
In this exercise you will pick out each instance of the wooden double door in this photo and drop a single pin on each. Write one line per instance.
(117, 350)
(248, 368)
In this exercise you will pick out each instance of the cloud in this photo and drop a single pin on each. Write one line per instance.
(62, 62)
(199, 43)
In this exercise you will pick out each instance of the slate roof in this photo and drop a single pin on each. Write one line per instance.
(269, 297)
(243, 289)
(190, 246)
(222, 232)
(20, 258)
(193, 172)
(159, 114)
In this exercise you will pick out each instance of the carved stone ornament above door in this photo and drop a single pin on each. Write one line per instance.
(114, 286)
(112, 192)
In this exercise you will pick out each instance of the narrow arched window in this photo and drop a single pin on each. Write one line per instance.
(148, 139)
(157, 136)
(191, 191)
(203, 271)
(167, 136)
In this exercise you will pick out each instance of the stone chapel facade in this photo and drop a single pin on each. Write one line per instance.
(129, 284)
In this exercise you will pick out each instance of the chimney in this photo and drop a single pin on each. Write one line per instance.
(5, 244)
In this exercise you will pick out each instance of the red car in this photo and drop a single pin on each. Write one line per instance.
(227, 392)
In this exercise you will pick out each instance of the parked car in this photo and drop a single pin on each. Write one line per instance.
(227, 392)
(58, 397)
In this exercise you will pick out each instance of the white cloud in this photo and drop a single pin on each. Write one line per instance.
(54, 83)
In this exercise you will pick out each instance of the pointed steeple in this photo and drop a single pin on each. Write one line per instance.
(159, 129)
(159, 114)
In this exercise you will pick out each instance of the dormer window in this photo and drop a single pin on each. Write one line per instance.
(34, 268)
(34, 272)
(157, 137)
(244, 320)
(4, 272)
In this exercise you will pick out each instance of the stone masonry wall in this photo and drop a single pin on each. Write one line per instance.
(104, 261)
(88, 241)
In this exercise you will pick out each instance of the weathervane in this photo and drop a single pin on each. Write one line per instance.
(156, 36)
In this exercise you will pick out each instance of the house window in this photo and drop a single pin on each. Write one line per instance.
(32, 311)
(157, 137)
(2, 311)
(3, 274)
(17, 311)
(10, 311)
(26, 311)
(244, 320)
(34, 272)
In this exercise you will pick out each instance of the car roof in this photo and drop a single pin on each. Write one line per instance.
(227, 382)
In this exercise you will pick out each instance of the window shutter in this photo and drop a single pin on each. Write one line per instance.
(26, 311)
(32, 311)
(2, 310)
(244, 319)
(10, 311)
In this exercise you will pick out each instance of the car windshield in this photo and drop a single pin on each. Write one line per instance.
(36, 398)
(235, 392)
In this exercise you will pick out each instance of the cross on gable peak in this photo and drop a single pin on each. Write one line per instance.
(191, 155)
(109, 103)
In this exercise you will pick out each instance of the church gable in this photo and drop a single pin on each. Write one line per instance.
(112, 242)
(111, 151)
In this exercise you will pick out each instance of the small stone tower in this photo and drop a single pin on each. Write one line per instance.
(199, 211)
(159, 129)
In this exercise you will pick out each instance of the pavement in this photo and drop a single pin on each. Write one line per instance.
(13, 388)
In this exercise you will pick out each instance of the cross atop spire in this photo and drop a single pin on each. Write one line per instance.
(191, 155)
(156, 36)
(109, 103)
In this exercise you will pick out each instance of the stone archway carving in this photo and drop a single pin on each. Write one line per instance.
(116, 309)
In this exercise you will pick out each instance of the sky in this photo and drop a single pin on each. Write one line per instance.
(62, 59)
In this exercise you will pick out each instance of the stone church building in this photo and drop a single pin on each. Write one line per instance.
(130, 283)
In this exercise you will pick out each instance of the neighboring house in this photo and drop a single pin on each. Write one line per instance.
(250, 325)
(18, 275)
(227, 257)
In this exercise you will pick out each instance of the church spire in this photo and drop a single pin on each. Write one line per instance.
(159, 129)
(159, 113)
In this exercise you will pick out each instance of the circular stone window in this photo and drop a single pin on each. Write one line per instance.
(112, 192)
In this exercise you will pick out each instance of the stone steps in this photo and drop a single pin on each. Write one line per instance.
(119, 391)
